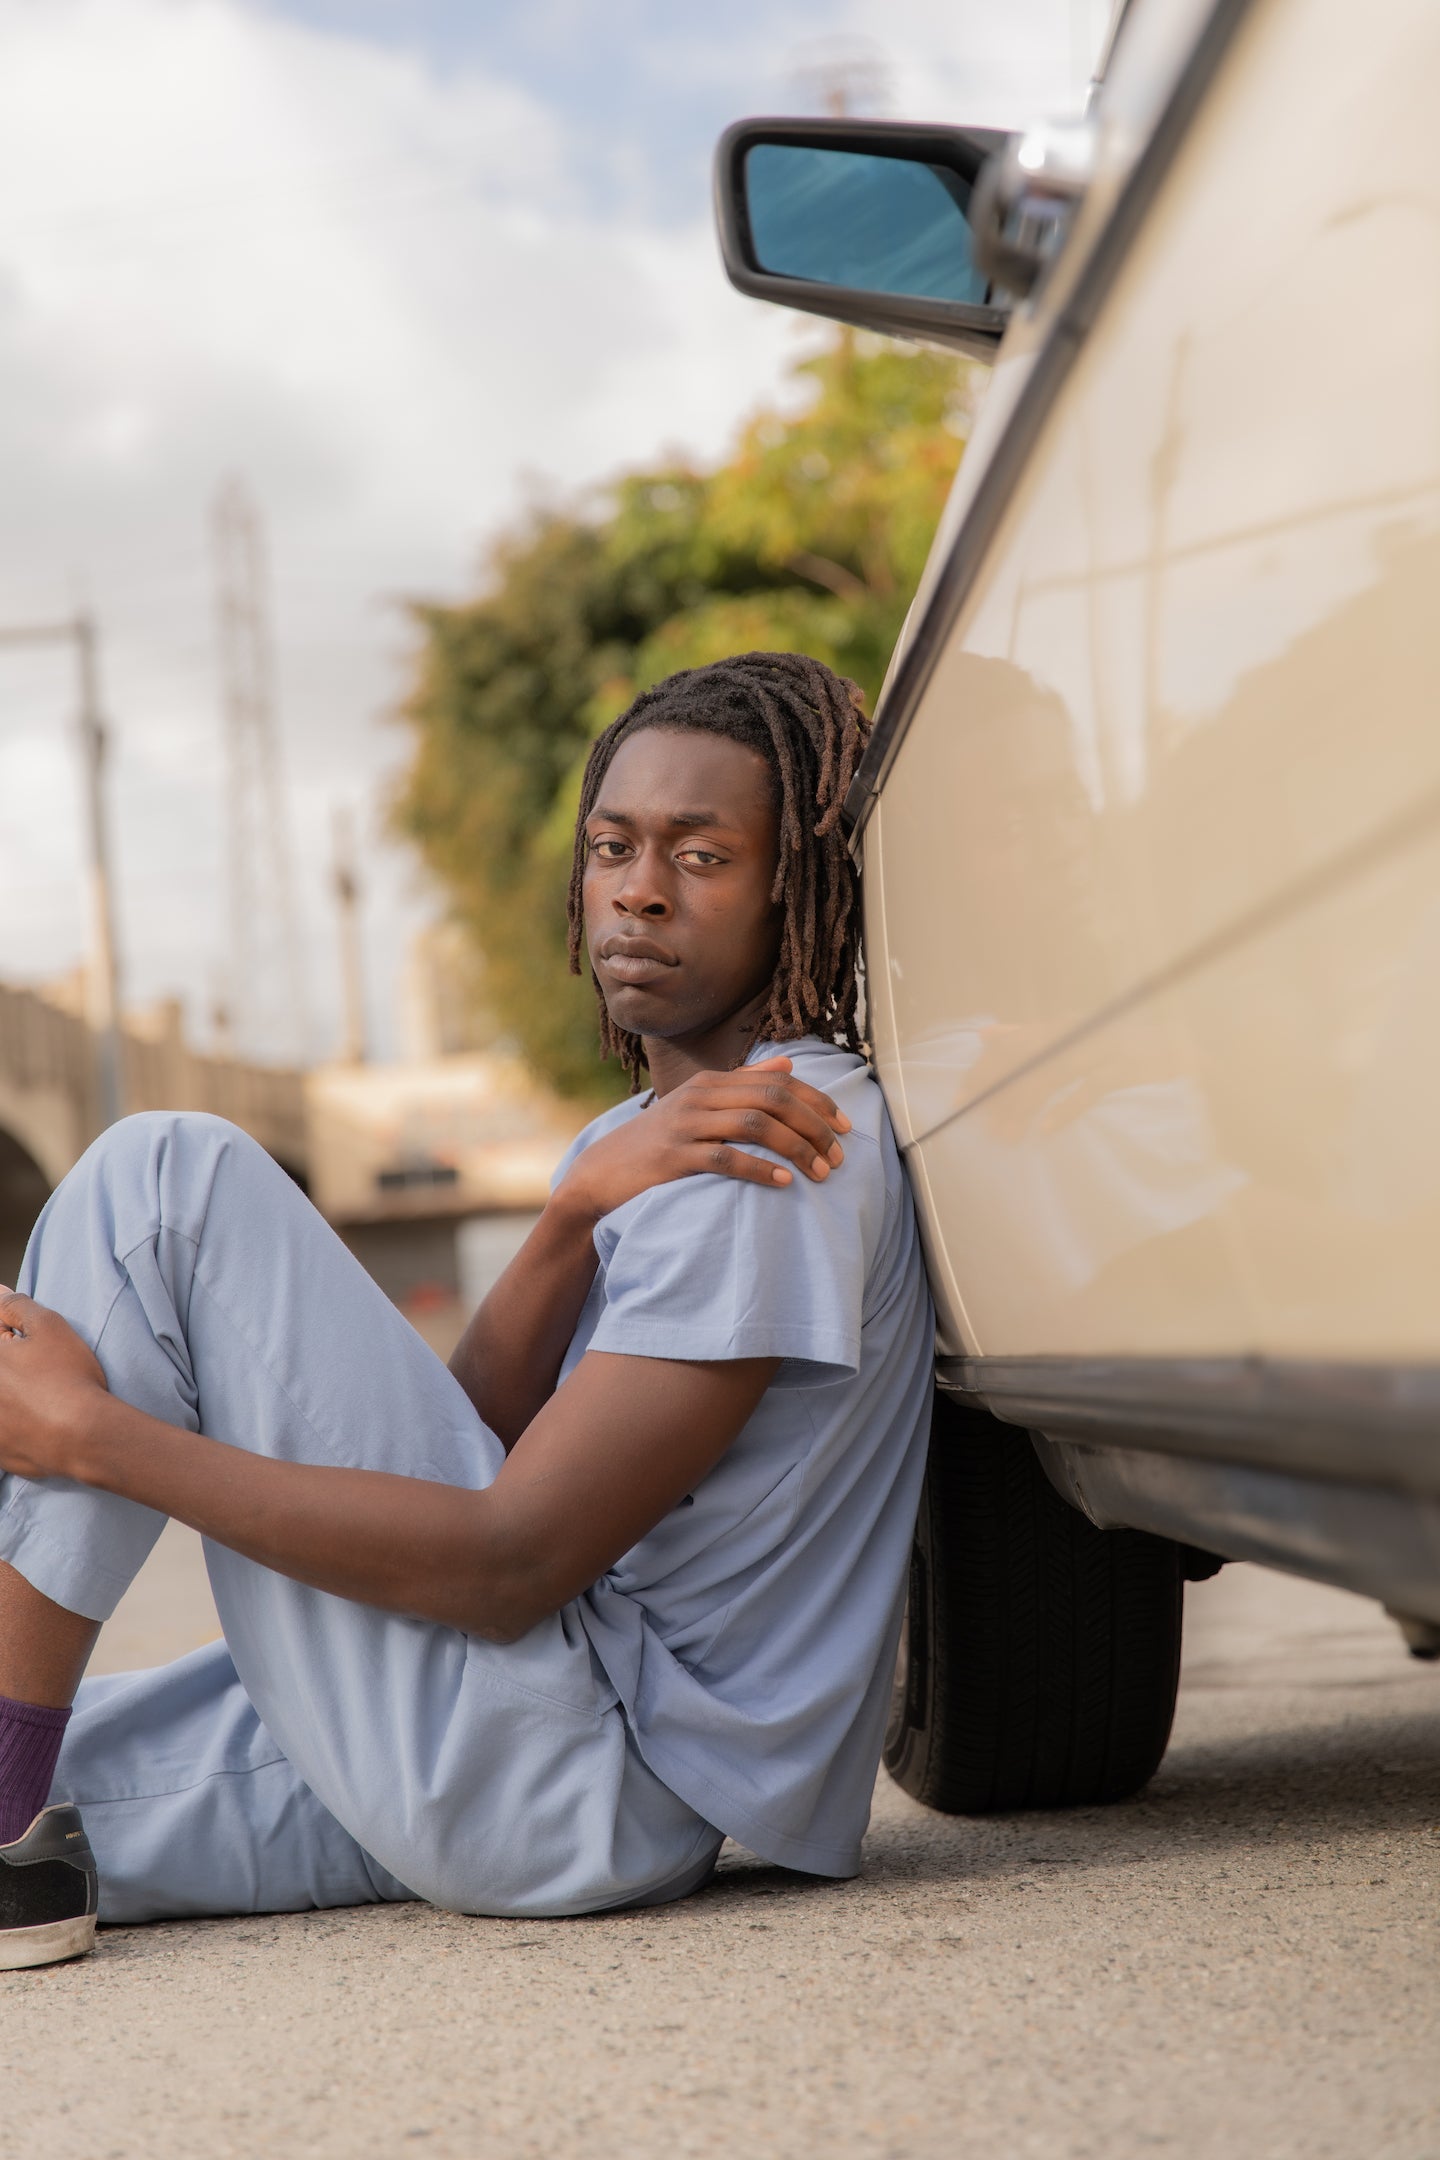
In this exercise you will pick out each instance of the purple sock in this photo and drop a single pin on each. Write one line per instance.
(30, 1736)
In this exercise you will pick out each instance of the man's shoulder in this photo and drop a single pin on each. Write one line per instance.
(618, 1114)
(852, 1202)
(849, 1080)
(752, 1269)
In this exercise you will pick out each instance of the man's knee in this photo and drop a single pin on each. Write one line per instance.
(147, 1133)
(168, 1161)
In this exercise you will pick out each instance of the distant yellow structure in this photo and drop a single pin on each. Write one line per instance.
(433, 1171)
(450, 1136)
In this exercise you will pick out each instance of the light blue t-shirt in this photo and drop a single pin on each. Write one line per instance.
(750, 1636)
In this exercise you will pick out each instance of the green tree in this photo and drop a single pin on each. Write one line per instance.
(811, 538)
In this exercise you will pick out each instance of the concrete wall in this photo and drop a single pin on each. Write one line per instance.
(48, 1106)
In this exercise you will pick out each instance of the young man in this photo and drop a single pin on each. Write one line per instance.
(531, 1635)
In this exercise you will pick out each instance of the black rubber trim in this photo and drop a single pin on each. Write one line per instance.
(1041, 1654)
(1354, 1424)
(1033, 406)
(968, 329)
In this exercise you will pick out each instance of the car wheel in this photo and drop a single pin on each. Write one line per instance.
(1040, 1656)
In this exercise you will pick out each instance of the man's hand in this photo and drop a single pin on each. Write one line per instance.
(709, 1123)
(49, 1387)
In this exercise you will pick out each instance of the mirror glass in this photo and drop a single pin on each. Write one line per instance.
(880, 224)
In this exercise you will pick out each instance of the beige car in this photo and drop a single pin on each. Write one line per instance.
(1151, 842)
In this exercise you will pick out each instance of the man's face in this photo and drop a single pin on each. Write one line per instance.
(679, 923)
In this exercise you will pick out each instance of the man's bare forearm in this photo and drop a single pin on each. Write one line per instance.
(434, 1552)
(606, 1457)
(508, 1360)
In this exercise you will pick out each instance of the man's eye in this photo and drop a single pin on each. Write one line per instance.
(608, 848)
(700, 855)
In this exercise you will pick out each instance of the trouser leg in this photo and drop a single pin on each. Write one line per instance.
(216, 1298)
(191, 1807)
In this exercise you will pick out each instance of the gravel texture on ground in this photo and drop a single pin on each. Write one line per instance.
(1242, 1963)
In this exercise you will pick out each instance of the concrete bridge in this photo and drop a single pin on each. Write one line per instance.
(49, 1108)
(430, 1170)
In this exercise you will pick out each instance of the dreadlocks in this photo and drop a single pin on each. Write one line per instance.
(809, 726)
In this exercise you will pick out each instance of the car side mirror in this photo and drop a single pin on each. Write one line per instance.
(864, 221)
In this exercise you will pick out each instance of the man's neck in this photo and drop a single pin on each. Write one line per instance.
(719, 1048)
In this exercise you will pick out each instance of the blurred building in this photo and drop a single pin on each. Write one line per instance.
(433, 1171)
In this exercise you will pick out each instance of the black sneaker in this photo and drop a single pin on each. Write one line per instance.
(48, 1892)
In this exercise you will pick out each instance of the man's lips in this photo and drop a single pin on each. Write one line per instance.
(634, 959)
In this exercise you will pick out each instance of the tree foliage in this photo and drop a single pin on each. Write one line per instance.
(811, 538)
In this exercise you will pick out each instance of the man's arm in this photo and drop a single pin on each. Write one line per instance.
(609, 1455)
(509, 1358)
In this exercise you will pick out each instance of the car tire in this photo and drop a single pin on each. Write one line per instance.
(1040, 1656)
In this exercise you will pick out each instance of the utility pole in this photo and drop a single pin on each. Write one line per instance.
(346, 879)
(103, 972)
(264, 929)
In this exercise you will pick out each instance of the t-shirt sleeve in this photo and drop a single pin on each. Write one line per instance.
(708, 1268)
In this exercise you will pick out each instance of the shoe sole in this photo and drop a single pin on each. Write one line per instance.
(47, 1945)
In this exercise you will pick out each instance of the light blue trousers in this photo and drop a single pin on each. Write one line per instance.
(323, 1753)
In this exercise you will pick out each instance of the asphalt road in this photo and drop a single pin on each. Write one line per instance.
(1242, 1963)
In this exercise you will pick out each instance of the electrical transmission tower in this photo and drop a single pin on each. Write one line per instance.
(264, 992)
(842, 75)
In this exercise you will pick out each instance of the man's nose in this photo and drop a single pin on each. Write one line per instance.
(643, 889)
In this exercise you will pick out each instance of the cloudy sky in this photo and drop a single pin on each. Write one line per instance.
(398, 263)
